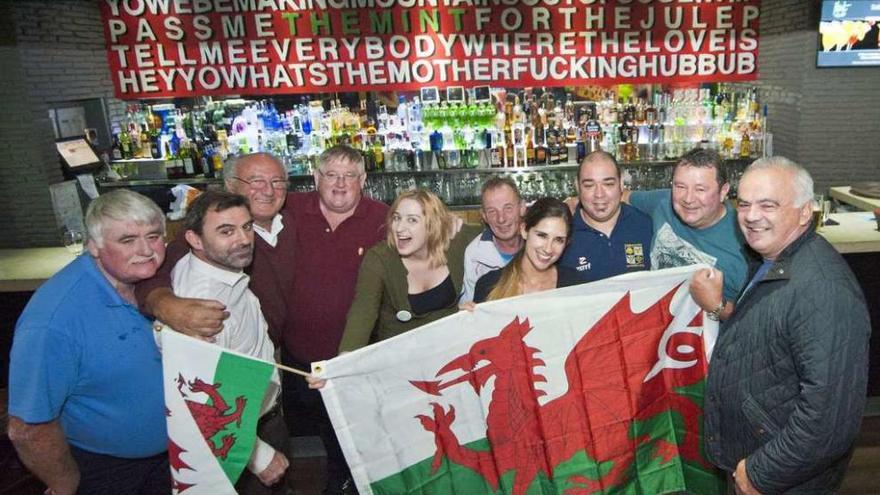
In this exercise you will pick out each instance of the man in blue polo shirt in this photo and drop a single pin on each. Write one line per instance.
(607, 237)
(86, 405)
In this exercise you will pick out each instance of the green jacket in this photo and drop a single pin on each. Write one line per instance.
(381, 292)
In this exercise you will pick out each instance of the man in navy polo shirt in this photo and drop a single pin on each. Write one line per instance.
(608, 237)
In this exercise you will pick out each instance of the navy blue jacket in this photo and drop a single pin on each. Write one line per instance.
(788, 377)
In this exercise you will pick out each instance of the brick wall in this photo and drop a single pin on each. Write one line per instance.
(827, 119)
(52, 52)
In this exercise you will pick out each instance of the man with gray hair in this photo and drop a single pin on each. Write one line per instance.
(86, 404)
(502, 210)
(787, 381)
(307, 254)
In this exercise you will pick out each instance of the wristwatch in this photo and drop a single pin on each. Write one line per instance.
(715, 314)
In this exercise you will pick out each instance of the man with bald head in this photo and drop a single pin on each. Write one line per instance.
(608, 237)
(787, 381)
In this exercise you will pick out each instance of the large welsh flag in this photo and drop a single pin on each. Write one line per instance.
(590, 389)
(213, 398)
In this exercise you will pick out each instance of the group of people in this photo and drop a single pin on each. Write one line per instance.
(319, 273)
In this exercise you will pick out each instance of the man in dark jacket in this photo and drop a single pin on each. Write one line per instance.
(787, 381)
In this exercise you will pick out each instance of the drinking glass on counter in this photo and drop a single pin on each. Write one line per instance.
(821, 209)
(73, 241)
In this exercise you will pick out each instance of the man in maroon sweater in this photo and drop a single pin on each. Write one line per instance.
(308, 251)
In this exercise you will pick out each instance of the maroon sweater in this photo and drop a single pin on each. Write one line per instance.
(304, 290)
(271, 272)
(326, 269)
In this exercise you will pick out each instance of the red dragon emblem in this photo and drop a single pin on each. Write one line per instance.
(214, 415)
(616, 376)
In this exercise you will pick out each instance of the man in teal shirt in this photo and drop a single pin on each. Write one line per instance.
(694, 223)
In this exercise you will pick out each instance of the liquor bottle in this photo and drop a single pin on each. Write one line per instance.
(541, 155)
(146, 148)
(629, 112)
(379, 155)
(623, 137)
(171, 169)
(217, 164)
(745, 147)
(641, 113)
(530, 149)
(593, 134)
(185, 155)
(651, 112)
(116, 151)
(661, 141)
(496, 158)
(553, 144)
(633, 143)
(125, 143)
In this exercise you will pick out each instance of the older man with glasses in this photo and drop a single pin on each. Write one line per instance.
(308, 251)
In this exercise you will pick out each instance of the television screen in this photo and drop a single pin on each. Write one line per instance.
(849, 33)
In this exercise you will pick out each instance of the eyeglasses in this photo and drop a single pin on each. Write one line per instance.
(262, 183)
(334, 176)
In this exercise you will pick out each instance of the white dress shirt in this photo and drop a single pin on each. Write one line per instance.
(245, 331)
(271, 235)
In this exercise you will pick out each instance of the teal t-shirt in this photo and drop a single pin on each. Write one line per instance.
(678, 244)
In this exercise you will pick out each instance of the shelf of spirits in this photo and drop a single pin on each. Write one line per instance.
(538, 136)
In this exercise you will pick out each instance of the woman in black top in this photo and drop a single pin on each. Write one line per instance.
(546, 229)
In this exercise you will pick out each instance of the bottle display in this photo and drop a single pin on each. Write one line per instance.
(506, 129)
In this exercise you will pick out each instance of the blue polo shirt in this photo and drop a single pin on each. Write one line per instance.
(596, 256)
(85, 356)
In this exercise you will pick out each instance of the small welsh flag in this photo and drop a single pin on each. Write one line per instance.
(213, 398)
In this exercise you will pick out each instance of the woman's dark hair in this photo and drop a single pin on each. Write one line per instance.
(547, 208)
(509, 283)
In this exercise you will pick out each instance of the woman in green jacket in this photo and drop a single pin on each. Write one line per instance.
(413, 278)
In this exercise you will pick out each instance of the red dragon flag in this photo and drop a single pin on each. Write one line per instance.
(590, 389)
(213, 398)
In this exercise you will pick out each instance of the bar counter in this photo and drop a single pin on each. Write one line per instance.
(24, 270)
(845, 195)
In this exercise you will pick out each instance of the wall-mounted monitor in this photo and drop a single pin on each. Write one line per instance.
(482, 94)
(455, 94)
(430, 95)
(77, 155)
(849, 33)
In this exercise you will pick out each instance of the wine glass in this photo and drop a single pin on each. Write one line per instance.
(73, 241)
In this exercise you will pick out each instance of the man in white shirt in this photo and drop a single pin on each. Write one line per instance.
(220, 231)
(502, 209)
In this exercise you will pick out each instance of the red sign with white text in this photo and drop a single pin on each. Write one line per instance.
(162, 48)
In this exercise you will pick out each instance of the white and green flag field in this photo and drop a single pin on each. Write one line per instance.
(593, 389)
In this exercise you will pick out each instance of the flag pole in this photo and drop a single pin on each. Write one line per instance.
(291, 370)
(157, 327)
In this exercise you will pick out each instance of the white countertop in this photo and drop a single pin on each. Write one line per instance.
(844, 194)
(857, 232)
(24, 270)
